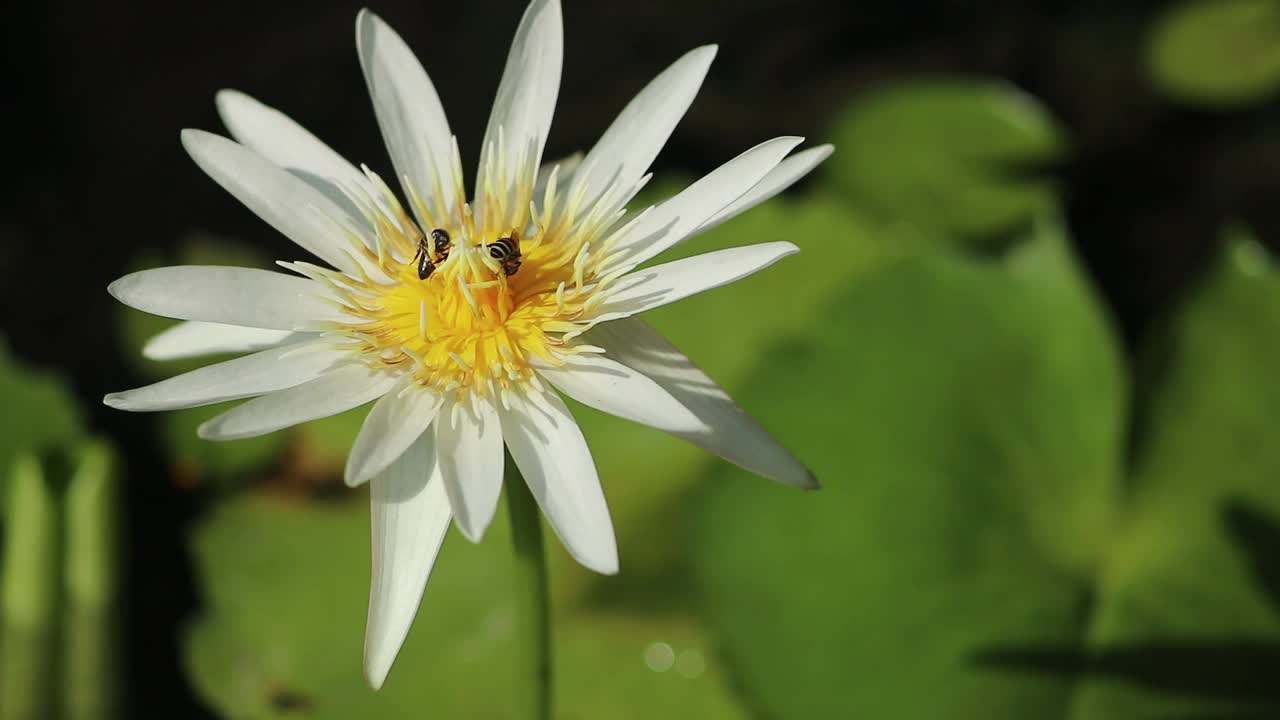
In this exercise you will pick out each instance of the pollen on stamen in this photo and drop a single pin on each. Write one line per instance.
(469, 328)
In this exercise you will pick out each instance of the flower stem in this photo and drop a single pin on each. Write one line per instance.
(533, 616)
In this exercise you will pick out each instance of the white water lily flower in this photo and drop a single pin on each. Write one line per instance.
(460, 318)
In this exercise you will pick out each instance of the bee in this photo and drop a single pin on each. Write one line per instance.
(441, 241)
(507, 251)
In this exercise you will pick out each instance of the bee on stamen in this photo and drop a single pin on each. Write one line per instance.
(507, 251)
(426, 265)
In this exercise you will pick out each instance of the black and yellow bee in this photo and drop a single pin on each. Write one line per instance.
(426, 265)
(507, 251)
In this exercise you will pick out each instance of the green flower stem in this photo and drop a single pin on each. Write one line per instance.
(533, 616)
(29, 596)
(90, 663)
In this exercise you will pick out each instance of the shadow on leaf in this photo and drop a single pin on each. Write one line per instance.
(1239, 670)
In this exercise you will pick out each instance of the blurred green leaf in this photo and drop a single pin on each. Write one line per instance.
(194, 460)
(40, 414)
(965, 157)
(1217, 52)
(286, 591)
(977, 535)
(1188, 615)
(965, 419)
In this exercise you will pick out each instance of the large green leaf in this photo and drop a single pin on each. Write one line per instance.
(1188, 610)
(965, 420)
(959, 156)
(978, 535)
(286, 586)
(1217, 52)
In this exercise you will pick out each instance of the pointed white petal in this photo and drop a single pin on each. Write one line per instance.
(730, 433)
(627, 149)
(230, 295)
(526, 97)
(675, 219)
(276, 137)
(471, 460)
(412, 120)
(256, 374)
(551, 453)
(299, 211)
(394, 423)
(780, 178)
(194, 338)
(664, 284)
(337, 391)
(614, 388)
(410, 515)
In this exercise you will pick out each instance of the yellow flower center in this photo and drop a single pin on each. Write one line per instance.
(468, 323)
(466, 316)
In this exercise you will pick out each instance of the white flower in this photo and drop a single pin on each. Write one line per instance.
(457, 318)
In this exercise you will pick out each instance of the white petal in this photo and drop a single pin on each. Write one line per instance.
(410, 515)
(195, 338)
(551, 453)
(629, 146)
(614, 388)
(471, 460)
(340, 390)
(299, 211)
(677, 218)
(276, 137)
(257, 374)
(780, 178)
(230, 295)
(526, 98)
(394, 423)
(664, 284)
(413, 123)
(730, 433)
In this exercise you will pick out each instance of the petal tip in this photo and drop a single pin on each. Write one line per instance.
(468, 529)
(208, 430)
(228, 95)
(705, 53)
(196, 142)
(117, 287)
(115, 400)
(375, 673)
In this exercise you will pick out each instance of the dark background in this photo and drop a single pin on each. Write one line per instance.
(97, 92)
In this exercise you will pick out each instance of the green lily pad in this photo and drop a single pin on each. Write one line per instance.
(961, 157)
(1188, 612)
(1217, 52)
(286, 587)
(980, 534)
(965, 420)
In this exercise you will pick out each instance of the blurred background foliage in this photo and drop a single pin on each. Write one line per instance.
(1029, 348)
